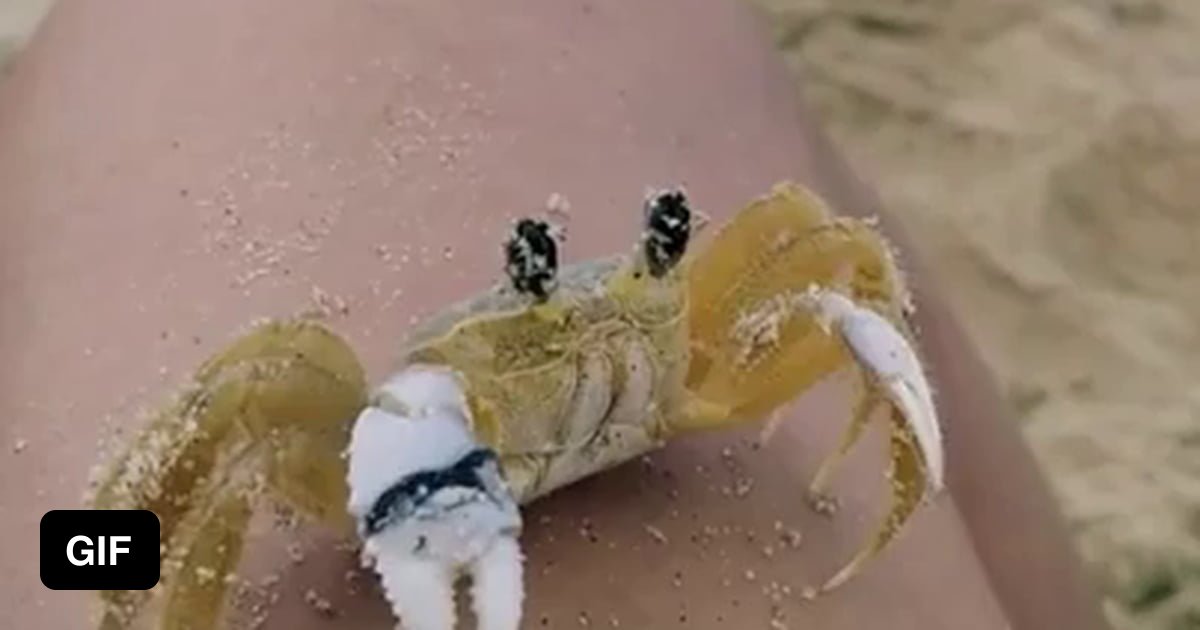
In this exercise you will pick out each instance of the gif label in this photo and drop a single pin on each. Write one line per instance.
(100, 550)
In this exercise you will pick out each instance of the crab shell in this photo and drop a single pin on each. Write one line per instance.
(568, 387)
(617, 361)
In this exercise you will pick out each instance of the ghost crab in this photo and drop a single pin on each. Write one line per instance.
(523, 389)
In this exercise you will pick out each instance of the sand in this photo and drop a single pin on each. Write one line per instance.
(17, 20)
(1042, 154)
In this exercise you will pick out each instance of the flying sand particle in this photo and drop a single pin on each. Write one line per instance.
(656, 533)
(326, 305)
(825, 506)
(557, 204)
(295, 552)
(319, 604)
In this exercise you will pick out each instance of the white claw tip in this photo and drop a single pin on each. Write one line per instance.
(421, 590)
(499, 591)
(886, 354)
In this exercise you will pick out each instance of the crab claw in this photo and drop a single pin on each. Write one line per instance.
(765, 327)
(892, 373)
(892, 363)
(431, 504)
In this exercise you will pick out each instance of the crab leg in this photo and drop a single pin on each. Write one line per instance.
(786, 295)
(893, 373)
(201, 566)
(892, 369)
(908, 481)
(865, 403)
(431, 503)
(275, 406)
(892, 376)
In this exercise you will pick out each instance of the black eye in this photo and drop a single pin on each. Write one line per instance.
(531, 258)
(668, 229)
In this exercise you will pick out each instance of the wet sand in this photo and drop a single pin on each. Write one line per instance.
(1041, 153)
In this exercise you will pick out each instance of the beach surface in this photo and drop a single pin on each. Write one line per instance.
(1042, 155)
(1046, 157)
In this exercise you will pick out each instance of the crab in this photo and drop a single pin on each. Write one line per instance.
(550, 376)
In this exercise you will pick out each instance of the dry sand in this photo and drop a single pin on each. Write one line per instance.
(1046, 155)
(17, 19)
(1042, 153)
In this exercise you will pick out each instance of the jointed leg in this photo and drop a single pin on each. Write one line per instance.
(202, 565)
(866, 400)
(276, 405)
(769, 319)
(906, 476)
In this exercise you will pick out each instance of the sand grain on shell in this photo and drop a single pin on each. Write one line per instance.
(757, 329)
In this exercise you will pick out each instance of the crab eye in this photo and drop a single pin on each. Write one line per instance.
(668, 228)
(531, 258)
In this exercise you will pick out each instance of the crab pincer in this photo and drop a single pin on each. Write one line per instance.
(431, 504)
(788, 294)
(892, 374)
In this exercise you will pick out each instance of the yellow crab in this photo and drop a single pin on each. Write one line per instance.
(521, 390)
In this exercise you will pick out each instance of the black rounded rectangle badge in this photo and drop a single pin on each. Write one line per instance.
(100, 550)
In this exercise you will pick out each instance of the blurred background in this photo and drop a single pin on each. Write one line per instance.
(1042, 154)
